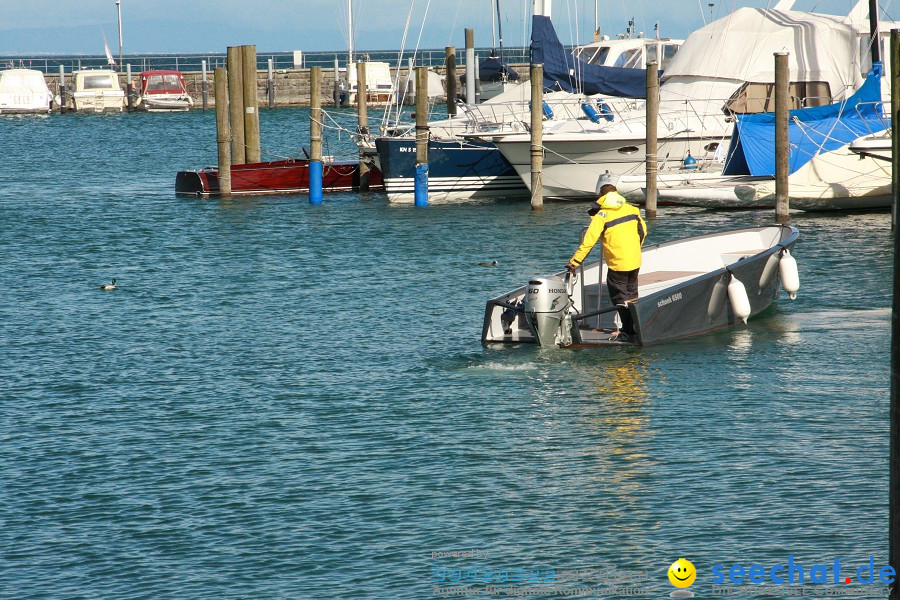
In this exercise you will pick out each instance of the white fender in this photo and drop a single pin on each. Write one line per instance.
(716, 299)
(790, 277)
(737, 295)
(768, 271)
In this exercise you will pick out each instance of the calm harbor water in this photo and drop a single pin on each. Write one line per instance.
(288, 401)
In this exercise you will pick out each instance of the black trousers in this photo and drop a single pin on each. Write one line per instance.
(623, 286)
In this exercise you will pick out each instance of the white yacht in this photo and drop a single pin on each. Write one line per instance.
(24, 91)
(722, 69)
(98, 90)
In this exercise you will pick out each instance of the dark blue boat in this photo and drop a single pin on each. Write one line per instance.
(457, 169)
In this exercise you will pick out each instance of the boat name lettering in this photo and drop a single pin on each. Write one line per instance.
(404, 149)
(673, 298)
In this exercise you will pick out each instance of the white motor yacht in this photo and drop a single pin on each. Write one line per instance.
(24, 91)
(98, 90)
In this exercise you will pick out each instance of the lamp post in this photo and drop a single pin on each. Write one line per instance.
(119, 13)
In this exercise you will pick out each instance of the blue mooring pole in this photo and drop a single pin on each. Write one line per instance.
(315, 135)
(421, 184)
(315, 182)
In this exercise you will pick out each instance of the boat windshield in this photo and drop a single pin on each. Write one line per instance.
(164, 83)
(631, 59)
(599, 57)
(98, 82)
(759, 97)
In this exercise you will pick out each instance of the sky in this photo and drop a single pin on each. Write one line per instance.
(40, 27)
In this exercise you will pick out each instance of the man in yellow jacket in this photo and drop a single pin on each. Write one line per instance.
(623, 231)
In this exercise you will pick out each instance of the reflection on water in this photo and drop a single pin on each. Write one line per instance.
(625, 381)
(616, 416)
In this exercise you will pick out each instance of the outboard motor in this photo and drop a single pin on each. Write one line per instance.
(547, 311)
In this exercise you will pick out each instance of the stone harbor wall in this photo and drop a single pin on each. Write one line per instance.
(291, 85)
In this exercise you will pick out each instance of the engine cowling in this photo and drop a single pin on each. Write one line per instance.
(546, 311)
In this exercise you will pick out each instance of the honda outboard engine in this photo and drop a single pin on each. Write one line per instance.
(547, 311)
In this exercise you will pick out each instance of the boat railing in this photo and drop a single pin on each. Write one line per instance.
(675, 117)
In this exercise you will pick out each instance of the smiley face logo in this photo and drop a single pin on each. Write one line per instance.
(682, 573)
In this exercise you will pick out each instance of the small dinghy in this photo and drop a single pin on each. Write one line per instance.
(686, 287)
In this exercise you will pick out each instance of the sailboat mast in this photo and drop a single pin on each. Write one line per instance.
(493, 29)
(873, 31)
(349, 34)
(500, 30)
(119, 13)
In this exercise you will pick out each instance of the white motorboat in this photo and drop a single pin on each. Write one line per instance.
(24, 91)
(98, 90)
(722, 69)
(686, 287)
(163, 91)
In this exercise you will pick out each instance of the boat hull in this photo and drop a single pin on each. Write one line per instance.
(573, 164)
(457, 170)
(99, 102)
(152, 103)
(277, 177)
(683, 292)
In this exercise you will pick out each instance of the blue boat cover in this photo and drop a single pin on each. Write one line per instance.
(811, 131)
(492, 69)
(564, 72)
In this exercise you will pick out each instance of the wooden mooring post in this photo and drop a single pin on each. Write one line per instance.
(223, 132)
(236, 105)
(251, 104)
(782, 97)
(652, 114)
(362, 123)
(315, 135)
(421, 183)
(537, 136)
(450, 63)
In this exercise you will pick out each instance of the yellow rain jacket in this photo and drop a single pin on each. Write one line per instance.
(623, 232)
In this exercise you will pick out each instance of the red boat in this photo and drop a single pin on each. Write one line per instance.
(277, 177)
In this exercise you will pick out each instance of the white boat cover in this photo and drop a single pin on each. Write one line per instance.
(23, 80)
(23, 91)
(741, 45)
